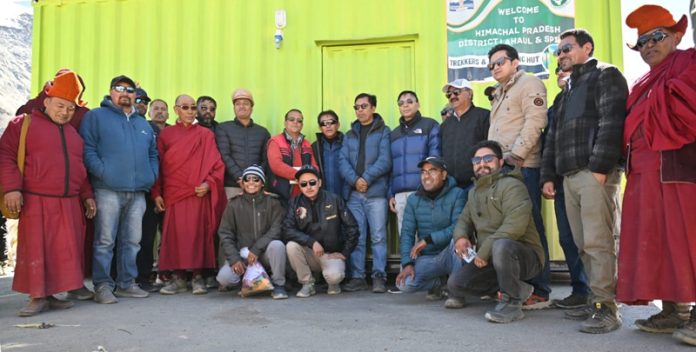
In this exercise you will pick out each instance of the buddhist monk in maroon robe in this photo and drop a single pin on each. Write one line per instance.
(190, 191)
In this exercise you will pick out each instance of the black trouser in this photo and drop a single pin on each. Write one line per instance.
(511, 264)
(151, 222)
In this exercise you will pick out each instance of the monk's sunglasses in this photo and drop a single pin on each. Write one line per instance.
(186, 107)
(455, 92)
(499, 62)
(486, 159)
(327, 123)
(250, 178)
(655, 37)
(122, 89)
(312, 183)
(566, 48)
(363, 106)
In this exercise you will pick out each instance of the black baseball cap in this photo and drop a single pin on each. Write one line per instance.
(306, 169)
(122, 79)
(434, 161)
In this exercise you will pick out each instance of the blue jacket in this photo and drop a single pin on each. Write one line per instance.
(378, 160)
(120, 152)
(412, 142)
(432, 220)
(326, 153)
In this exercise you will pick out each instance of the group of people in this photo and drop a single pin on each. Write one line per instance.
(467, 192)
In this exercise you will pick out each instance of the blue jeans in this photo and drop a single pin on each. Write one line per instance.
(531, 179)
(370, 212)
(429, 269)
(578, 277)
(119, 214)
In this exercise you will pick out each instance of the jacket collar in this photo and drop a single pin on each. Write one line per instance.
(321, 138)
(377, 123)
(450, 183)
(504, 171)
(408, 124)
(251, 122)
(581, 69)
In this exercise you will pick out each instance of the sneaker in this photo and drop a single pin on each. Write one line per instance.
(354, 285)
(173, 286)
(81, 294)
(506, 311)
(35, 306)
(306, 291)
(132, 291)
(198, 286)
(104, 295)
(535, 302)
(455, 303)
(55, 303)
(435, 294)
(279, 293)
(579, 313)
(210, 282)
(573, 301)
(333, 289)
(687, 333)
(379, 285)
(602, 320)
(666, 321)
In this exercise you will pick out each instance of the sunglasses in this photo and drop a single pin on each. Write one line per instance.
(122, 89)
(499, 62)
(251, 178)
(486, 159)
(404, 102)
(363, 106)
(205, 108)
(295, 120)
(141, 101)
(327, 123)
(455, 92)
(312, 183)
(655, 37)
(186, 107)
(566, 48)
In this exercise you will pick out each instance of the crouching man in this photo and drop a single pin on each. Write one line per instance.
(253, 220)
(320, 232)
(497, 219)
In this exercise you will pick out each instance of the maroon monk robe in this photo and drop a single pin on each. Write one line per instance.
(657, 254)
(52, 222)
(188, 157)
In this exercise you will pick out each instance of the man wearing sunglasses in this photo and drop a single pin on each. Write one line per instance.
(365, 163)
(320, 232)
(141, 101)
(518, 115)
(658, 207)
(206, 108)
(326, 149)
(252, 224)
(497, 222)
(584, 147)
(121, 156)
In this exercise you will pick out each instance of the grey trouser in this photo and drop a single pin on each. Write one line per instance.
(511, 264)
(273, 258)
(593, 214)
(304, 262)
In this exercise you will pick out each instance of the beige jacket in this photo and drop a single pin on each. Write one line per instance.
(518, 114)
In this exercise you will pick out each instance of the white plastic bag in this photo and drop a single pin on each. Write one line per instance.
(255, 280)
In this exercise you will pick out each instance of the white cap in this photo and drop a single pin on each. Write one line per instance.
(457, 83)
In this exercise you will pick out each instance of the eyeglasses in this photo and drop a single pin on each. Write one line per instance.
(294, 120)
(327, 123)
(205, 108)
(486, 159)
(122, 89)
(312, 183)
(455, 92)
(186, 107)
(404, 102)
(141, 101)
(431, 172)
(499, 62)
(363, 106)
(251, 178)
(655, 37)
(566, 48)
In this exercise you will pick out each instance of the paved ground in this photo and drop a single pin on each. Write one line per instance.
(347, 322)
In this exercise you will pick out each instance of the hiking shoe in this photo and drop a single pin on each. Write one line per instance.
(210, 282)
(279, 293)
(333, 289)
(306, 291)
(55, 303)
(571, 302)
(198, 286)
(602, 320)
(35, 306)
(535, 302)
(173, 286)
(104, 295)
(666, 321)
(132, 291)
(354, 285)
(687, 333)
(379, 285)
(81, 294)
(506, 311)
(455, 303)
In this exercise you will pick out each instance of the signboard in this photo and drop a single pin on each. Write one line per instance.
(530, 26)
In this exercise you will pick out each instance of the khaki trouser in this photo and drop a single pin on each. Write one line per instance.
(304, 262)
(593, 214)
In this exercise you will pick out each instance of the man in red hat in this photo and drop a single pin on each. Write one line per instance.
(658, 251)
(48, 195)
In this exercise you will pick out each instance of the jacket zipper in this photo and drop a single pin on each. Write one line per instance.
(256, 217)
(67, 159)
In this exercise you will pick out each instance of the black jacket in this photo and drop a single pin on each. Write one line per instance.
(240, 147)
(327, 220)
(457, 136)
